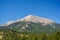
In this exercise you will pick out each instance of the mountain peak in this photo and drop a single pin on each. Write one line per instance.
(29, 15)
(32, 18)
(36, 19)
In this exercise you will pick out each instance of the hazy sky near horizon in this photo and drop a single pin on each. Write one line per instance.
(16, 9)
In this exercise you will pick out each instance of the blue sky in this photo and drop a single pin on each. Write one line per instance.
(16, 9)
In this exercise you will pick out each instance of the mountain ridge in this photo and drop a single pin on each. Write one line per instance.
(33, 18)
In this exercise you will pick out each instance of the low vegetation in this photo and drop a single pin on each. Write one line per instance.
(13, 35)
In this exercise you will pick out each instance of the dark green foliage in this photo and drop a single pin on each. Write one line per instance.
(13, 35)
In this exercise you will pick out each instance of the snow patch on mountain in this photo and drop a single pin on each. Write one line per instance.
(9, 22)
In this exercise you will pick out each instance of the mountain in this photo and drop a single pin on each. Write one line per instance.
(32, 18)
(32, 23)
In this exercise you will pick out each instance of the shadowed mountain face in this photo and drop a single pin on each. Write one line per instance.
(32, 24)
